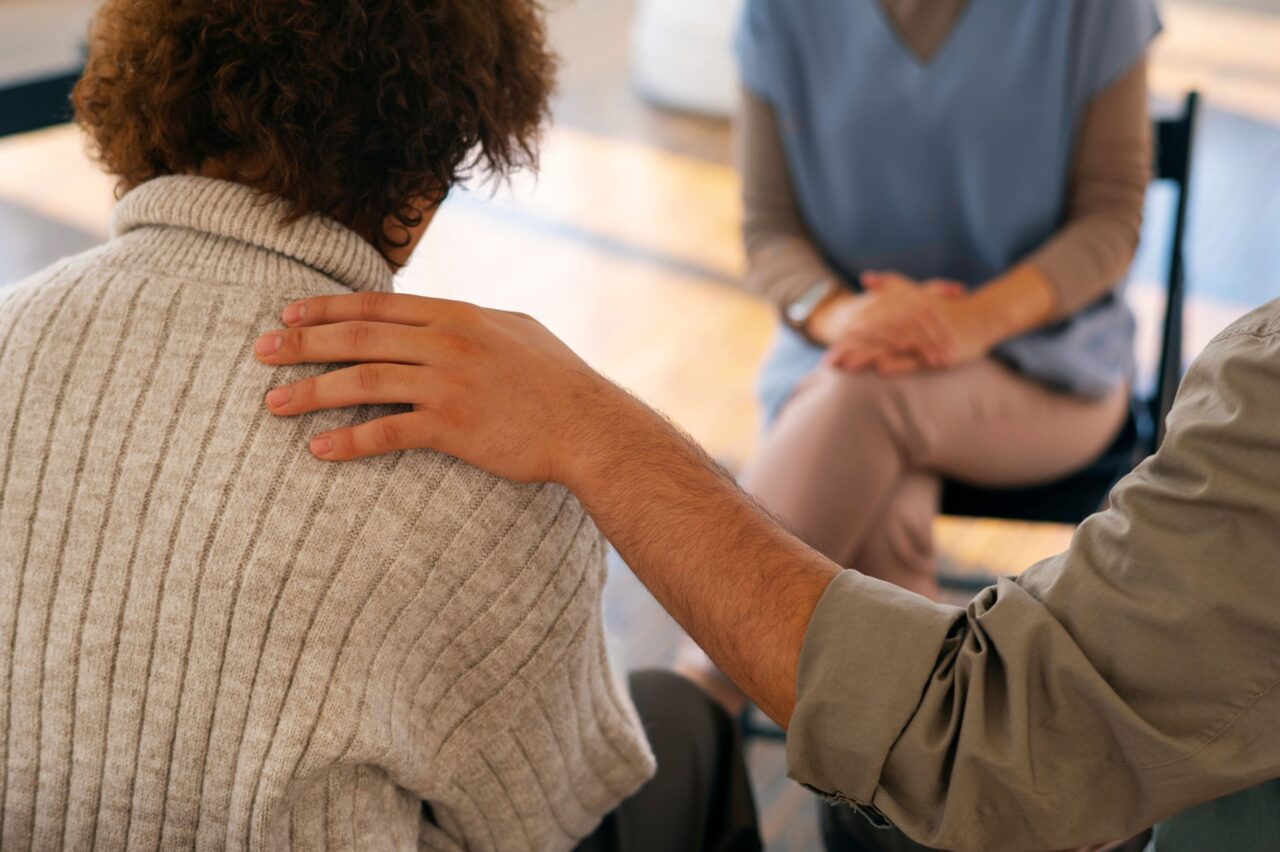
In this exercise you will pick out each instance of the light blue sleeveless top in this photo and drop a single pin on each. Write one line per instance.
(957, 167)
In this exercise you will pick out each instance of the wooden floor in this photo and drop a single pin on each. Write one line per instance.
(626, 245)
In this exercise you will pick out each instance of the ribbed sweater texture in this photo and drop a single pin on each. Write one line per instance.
(211, 640)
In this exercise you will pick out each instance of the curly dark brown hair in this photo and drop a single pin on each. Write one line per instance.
(361, 110)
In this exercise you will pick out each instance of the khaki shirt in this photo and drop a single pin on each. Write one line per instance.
(1107, 688)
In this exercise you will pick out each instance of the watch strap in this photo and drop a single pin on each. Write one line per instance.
(796, 314)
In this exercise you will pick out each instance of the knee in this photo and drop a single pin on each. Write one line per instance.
(858, 397)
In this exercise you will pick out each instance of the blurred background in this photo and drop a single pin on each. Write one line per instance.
(626, 243)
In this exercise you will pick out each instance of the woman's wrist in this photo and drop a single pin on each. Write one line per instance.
(973, 319)
(822, 324)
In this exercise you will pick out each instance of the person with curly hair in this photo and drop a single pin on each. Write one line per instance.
(208, 637)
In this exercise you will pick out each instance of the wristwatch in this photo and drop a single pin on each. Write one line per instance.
(798, 313)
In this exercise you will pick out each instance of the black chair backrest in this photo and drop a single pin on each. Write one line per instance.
(1074, 498)
(36, 104)
(1175, 140)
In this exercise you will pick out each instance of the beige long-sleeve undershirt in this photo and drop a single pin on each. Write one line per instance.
(1083, 260)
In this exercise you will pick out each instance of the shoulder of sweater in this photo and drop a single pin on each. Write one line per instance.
(64, 272)
(119, 256)
(529, 505)
(457, 479)
(449, 494)
(454, 483)
(103, 262)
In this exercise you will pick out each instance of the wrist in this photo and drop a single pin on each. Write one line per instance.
(977, 322)
(799, 314)
(1015, 303)
(820, 327)
(608, 431)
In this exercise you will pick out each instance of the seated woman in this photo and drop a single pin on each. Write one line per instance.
(941, 199)
(208, 637)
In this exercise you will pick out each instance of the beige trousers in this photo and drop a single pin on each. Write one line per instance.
(854, 462)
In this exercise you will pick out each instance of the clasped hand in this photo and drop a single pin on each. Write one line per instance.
(900, 326)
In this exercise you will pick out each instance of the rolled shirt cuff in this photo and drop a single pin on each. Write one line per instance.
(868, 653)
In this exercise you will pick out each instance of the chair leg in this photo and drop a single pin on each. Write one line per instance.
(752, 729)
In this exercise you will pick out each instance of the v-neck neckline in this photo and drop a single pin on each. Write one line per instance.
(899, 39)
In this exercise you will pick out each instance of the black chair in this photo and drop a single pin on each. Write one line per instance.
(1073, 499)
(36, 104)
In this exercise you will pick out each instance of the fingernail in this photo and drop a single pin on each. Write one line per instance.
(294, 314)
(279, 397)
(268, 344)
(321, 446)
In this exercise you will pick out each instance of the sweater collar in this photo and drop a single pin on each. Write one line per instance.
(236, 212)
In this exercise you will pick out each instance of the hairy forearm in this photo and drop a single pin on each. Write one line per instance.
(736, 581)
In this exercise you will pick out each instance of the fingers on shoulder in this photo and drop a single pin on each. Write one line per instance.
(390, 434)
(373, 306)
(362, 384)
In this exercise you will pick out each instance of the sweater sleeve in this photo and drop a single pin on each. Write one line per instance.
(574, 751)
(782, 259)
(1090, 254)
(538, 740)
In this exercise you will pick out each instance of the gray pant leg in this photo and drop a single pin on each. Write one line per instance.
(700, 799)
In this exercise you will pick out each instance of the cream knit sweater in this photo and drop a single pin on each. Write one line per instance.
(209, 639)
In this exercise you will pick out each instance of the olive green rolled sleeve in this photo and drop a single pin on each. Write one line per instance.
(1108, 688)
(869, 649)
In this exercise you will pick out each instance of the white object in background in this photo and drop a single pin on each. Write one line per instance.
(40, 38)
(682, 54)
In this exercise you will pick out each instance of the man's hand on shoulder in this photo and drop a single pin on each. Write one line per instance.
(501, 392)
(493, 388)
